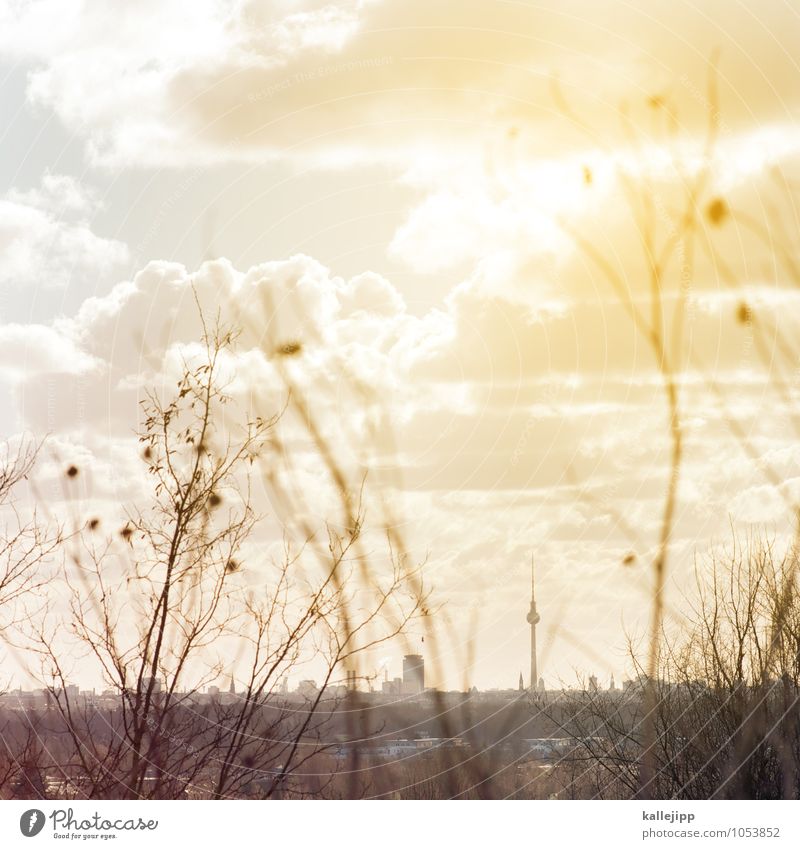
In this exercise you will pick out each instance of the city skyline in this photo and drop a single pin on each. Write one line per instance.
(372, 678)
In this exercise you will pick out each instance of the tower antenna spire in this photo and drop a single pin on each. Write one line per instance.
(533, 620)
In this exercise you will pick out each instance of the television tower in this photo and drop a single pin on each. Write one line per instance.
(533, 620)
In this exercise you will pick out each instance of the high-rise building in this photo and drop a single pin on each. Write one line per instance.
(413, 674)
(533, 620)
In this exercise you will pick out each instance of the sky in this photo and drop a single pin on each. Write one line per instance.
(423, 190)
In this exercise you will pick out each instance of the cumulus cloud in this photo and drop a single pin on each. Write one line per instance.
(353, 335)
(32, 350)
(46, 239)
(482, 393)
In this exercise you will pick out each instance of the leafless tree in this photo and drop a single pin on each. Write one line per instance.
(727, 706)
(181, 594)
(26, 548)
(26, 543)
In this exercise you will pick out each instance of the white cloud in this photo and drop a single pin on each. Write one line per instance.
(57, 194)
(28, 350)
(371, 293)
(387, 80)
(351, 333)
(46, 240)
(463, 107)
(329, 27)
(478, 391)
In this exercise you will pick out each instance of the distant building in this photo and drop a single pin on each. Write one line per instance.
(555, 748)
(550, 748)
(413, 674)
(635, 685)
(308, 689)
(421, 745)
(392, 688)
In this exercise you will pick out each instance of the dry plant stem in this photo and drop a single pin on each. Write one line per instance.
(150, 607)
(667, 353)
(352, 517)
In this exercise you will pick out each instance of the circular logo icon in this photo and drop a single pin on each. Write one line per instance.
(31, 822)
